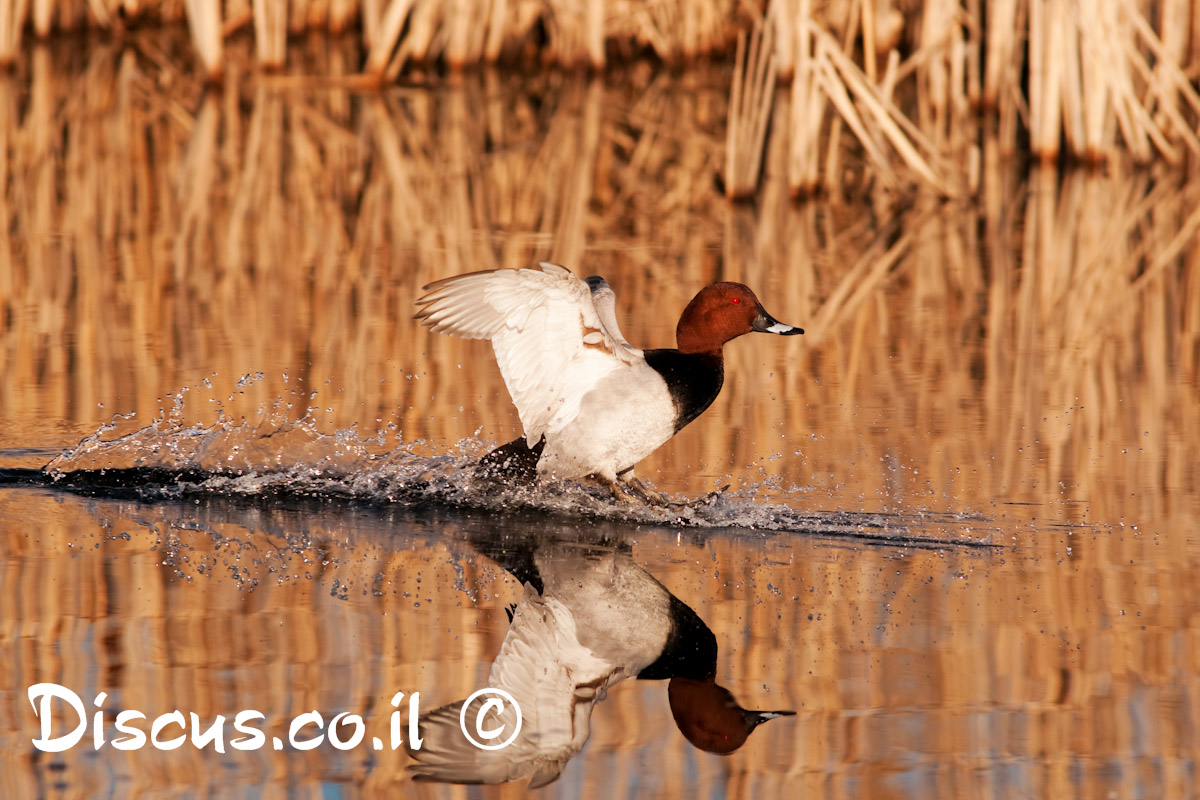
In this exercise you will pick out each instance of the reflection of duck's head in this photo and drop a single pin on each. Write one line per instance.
(709, 716)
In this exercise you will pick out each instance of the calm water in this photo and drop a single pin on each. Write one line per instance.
(963, 508)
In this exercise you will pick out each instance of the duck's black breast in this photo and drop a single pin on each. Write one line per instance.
(694, 380)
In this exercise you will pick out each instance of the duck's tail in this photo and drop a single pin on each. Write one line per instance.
(515, 461)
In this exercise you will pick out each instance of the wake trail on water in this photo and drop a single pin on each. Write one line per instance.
(269, 459)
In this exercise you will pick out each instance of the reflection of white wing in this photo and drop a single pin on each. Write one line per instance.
(555, 682)
(552, 343)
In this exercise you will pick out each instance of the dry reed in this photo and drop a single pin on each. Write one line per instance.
(12, 22)
(1102, 78)
(204, 18)
(752, 96)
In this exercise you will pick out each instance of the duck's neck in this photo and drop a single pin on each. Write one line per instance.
(696, 341)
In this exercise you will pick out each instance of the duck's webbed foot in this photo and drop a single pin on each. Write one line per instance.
(646, 494)
(699, 501)
(708, 498)
(632, 491)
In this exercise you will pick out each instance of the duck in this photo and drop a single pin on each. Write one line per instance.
(591, 405)
(589, 618)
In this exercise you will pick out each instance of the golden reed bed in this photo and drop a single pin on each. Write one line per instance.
(158, 238)
(905, 81)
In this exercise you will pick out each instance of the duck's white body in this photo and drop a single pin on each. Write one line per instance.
(574, 379)
(626, 416)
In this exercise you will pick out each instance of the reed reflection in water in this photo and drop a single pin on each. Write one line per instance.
(1036, 345)
(1062, 668)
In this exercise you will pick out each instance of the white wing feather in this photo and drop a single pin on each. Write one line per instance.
(554, 339)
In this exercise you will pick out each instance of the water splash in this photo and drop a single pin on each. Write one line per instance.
(272, 456)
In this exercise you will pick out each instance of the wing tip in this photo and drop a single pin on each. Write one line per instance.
(466, 276)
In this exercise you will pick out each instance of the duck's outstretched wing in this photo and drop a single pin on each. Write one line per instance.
(555, 336)
(605, 301)
(538, 666)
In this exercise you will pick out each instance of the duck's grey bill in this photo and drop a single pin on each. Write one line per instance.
(765, 323)
(784, 330)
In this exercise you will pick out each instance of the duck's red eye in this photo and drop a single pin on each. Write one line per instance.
(736, 301)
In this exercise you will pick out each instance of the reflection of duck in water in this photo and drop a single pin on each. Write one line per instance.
(589, 402)
(590, 618)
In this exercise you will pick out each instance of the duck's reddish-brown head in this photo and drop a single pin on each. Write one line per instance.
(710, 718)
(724, 311)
